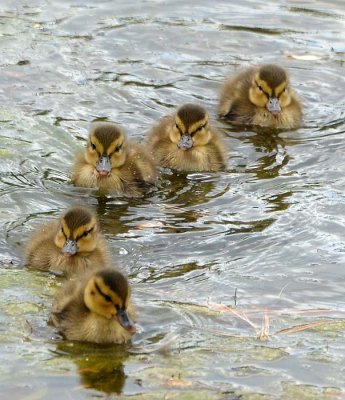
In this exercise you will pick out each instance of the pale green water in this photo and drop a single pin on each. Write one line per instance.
(272, 226)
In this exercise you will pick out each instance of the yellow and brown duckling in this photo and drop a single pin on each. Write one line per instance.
(71, 245)
(113, 164)
(95, 307)
(186, 141)
(261, 96)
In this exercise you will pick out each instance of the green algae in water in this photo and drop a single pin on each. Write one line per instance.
(4, 152)
(321, 356)
(266, 353)
(308, 392)
(23, 308)
(334, 326)
(250, 370)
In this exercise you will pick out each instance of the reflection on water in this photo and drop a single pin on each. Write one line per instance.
(269, 228)
(175, 271)
(99, 367)
(274, 157)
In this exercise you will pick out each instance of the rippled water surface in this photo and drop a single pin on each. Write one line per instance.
(214, 259)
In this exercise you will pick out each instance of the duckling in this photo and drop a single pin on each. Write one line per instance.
(186, 141)
(113, 164)
(261, 96)
(96, 307)
(70, 245)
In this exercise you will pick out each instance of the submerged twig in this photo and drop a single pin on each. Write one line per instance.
(29, 326)
(299, 328)
(235, 297)
(282, 289)
(235, 311)
(264, 333)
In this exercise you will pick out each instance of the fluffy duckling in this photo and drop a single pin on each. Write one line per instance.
(261, 96)
(95, 308)
(70, 245)
(186, 141)
(113, 164)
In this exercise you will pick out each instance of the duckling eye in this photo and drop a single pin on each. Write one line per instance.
(107, 298)
(198, 129)
(93, 146)
(283, 91)
(86, 232)
(260, 88)
(118, 148)
(178, 128)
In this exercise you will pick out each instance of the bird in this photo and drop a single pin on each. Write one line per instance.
(186, 141)
(261, 95)
(70, 245)
(113, 164)
(95, 307)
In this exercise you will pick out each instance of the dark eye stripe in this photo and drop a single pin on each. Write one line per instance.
(179, 129)
(106, 297)
(63, 232)
(198, 129)
(117, 149)
(85, 233)
(283, 91)
(260, 87)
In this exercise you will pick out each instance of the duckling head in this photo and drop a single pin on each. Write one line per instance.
(191, 127)
(270, 89)
(77, 231)
(105, 148)
(107, 294)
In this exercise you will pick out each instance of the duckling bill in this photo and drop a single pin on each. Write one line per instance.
(96, 307)
(113, 164)
(261, 96)
(71, 245)
(186, 141)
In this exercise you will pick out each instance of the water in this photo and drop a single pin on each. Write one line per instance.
(266, 235)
